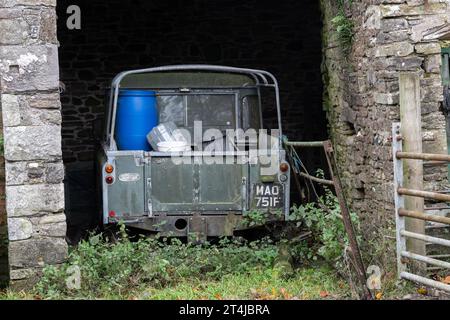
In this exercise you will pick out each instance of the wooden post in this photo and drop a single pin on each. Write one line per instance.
(411, 131)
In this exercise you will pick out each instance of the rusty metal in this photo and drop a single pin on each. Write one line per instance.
(318, 180)
(216, 225)
(296, 179)
(305, 144)
(336, 182)
(357, 259)
(197, 228)
(426, 217)
(423, 156)
(423, 194)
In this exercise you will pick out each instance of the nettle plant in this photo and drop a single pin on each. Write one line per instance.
(323, 218)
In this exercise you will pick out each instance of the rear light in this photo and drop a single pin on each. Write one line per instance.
(284, 167)
(112, 214)
(109, 168)
(109, 179)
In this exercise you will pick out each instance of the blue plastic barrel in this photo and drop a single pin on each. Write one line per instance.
(137, 115)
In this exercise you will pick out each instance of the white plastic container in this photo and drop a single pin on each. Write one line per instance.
(173, 146)
(167, 132)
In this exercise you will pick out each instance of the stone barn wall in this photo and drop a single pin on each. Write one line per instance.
(362, 96)
(32, 133)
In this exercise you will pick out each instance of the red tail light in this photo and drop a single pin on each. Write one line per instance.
(284, 167)
(109, 179)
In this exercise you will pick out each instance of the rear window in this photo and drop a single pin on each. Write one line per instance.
(216, 111)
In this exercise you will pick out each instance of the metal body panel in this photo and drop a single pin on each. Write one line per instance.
(125, 194)
(195, 186)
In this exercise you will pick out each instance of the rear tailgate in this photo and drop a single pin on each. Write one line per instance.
(200, 186)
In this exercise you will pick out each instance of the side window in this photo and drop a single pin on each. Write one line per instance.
(251, 117)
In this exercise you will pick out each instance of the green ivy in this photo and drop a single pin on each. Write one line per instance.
(344, 26)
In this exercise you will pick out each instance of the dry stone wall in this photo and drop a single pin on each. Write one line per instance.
(362, 95)
(31, 112)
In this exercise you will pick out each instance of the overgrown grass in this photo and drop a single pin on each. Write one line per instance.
(320, 282)
(307, 283)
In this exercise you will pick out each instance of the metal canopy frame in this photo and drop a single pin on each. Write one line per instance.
(261, 77)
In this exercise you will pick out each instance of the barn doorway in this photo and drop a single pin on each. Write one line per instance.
(284, 39)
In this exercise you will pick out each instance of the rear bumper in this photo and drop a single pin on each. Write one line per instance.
(204, 224)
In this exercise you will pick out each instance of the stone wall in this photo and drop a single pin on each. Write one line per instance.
(32, 133)
(284, 39)
(363, 99)
(4, 266)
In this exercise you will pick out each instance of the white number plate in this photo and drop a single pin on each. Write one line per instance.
(268, 195)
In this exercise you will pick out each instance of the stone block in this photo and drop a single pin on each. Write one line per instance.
(19, 110)
(398, 49)
(19, 173)
(29, 200)
(13, 31)
(37, 252)
(386, 98)
(433, 64)
(28, 68)
(32, 143)
(19, 229)
(428, 48)
(401, 10)
(57, 229)
(13, 3)
(21, 274)
(372, 19)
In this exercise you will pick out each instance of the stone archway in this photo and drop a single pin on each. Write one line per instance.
(32, 137)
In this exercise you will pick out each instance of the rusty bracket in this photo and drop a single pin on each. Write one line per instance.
(356, 254)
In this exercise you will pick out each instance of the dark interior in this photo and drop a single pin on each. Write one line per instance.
(281, 37)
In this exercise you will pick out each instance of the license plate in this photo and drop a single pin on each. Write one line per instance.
(268, 195)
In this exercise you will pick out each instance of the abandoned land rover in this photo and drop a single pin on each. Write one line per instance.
(153, 176)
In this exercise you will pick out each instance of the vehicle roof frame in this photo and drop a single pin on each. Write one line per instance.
(256, 74)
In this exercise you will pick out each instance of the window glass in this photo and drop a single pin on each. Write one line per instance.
(216, 111)
(251, 117)
(172, 108)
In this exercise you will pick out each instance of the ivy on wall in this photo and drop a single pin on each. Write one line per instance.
(343, 25)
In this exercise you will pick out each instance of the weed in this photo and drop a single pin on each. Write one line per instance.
(108, 269)
(325, 221)
(344, 26)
